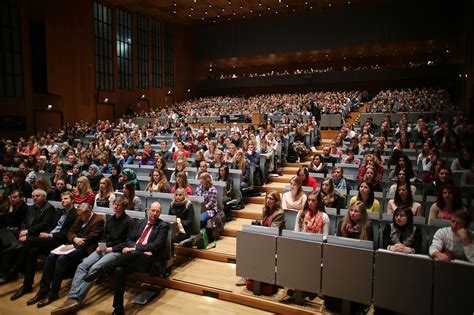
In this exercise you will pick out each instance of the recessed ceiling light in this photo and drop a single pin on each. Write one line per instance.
(218, 16)
(223, 9)
(205, 12)
(174, 12)
(210, 5)
(192, 9)
(287, 5)
(189, 15)
(269, 8)
(260, 14)
(251, 11)
(233, 13)
(260, 4)
(241, 6)
(175, 4)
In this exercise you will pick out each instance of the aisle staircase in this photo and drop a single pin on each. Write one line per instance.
(211, 271)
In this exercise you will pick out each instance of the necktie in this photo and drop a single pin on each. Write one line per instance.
(144, 234)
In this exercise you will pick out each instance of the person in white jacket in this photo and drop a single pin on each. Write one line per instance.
(455, 242)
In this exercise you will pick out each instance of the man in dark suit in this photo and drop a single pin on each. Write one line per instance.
(35, 246)
(144, 251)
(82, 237)
(39, 218)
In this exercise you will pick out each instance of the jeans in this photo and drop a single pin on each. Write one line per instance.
(204, 218)
(57, 267)
(79, 288)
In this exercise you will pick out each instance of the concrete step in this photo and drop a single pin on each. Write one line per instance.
(252, 211)
(235, 225)
(285, 178)
(273, 186)
(258, 200)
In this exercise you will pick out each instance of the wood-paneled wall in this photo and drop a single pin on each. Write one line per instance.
(71, 68)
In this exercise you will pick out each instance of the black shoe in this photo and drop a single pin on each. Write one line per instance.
(50, 298)
(93, 275)
(38, 297)
(9, 277)
(20, 292)
(118, 311)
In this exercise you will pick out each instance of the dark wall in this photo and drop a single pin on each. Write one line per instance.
(393, 21)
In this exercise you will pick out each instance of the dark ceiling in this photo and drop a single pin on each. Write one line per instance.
(216, 11)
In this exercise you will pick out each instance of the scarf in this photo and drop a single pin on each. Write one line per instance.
(313, 223)
(405, 235)
(352, 228)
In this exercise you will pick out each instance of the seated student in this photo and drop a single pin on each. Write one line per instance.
(306, 180)
(83, 237)
(402, 179)
(326, 157)
(179, 166)
(182, 182)
(134, 202)
(371, 160)
(442, 176)
(128, 176)
(160, 164)
(463, 162)
(218, 159)
(59, 173)
(201, 169)
(295, 198)
(183, 209)
(404, 198)
(83, 192)
(447, 202)
(404, 164)
(272, 216)
(158, 182)
(455, 242)
(20, 184)
(115, 177)
(55, 193)
(34, 246)
(317, 165)
(370, 176)
(207, 190)
(401, 235)
(117, 229)
(5, 185)
(240, 163)
(350, 158)
(313, 218)
(94, 176)
(144, 251)
(330, 197)
(357, 225)
(105, 197)
(338, 178)
(366, 195)
(164, 152)
(227, 196)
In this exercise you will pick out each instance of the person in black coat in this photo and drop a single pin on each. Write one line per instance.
(183, 209)
(34, 246)
(144, 251)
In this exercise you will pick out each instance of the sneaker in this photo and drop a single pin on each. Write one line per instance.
(242, 281)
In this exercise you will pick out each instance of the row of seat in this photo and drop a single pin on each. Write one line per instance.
(351, 270)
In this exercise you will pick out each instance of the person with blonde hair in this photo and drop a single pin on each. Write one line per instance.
(312, 218)
(83, 192)
(183, 209)
(105, 197)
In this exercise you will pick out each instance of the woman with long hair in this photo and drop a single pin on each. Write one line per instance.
(404, 164)
(402, 179)
(207, 190)
(105, 197)
(330, 197)
(367, 196)
(241, 163)
(294, 199)
(313, 218)
(306, 180)
(317, 165)
(225, 177)
(134, 202)
(158, 182)
(182, 182)
(371, 160)
(179, 166)
(218, 159)
(160, 164)
(401, 235)
(209, 155)
(59, 173)
(404, 198)
(183, 209)
(447, 202)
(356, 223)
(83, 192)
